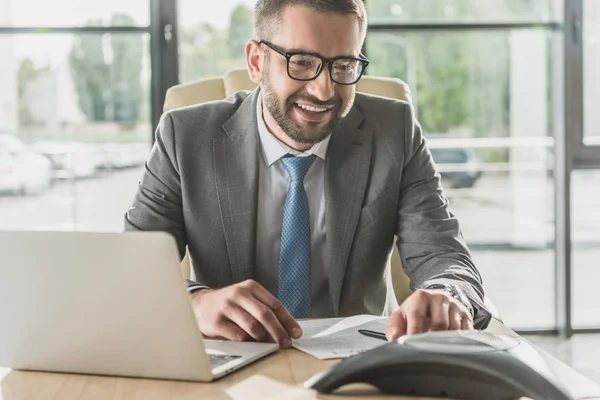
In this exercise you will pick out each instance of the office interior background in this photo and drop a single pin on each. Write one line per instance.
(506, 91)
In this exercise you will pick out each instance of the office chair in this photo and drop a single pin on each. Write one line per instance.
(218, 88)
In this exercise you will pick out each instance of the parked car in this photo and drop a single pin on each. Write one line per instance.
(458, 167)
(120, 156)
(21, 170)
(69, 160)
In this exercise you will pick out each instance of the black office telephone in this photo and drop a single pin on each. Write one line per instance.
(471, 365)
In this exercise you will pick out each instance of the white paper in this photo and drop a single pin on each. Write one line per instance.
(260, 387)
(339, 337)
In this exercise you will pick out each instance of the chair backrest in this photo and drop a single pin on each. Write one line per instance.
(234, 80)
(237, 79)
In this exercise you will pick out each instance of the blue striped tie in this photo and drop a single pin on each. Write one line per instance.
(293, 288)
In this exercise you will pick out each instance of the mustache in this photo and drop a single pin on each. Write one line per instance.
(314, 100)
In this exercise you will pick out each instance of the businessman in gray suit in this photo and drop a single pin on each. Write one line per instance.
(289, 197)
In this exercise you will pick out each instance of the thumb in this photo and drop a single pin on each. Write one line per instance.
(396, 326)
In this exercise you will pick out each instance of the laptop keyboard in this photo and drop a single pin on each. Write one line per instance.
(216, 360)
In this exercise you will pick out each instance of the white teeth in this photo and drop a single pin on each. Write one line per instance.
(310, 108)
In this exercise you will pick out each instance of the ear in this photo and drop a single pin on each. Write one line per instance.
(254, 58)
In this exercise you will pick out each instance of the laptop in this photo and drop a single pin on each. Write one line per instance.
(105, 304)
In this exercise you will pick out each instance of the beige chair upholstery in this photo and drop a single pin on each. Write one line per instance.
(237, 79)
(234, 80)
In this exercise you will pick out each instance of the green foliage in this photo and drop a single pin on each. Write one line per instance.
(241, 29)
(106, 72)
(206, 51)
(27, 73)
(460, 79)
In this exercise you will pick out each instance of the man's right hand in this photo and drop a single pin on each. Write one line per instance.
(244, 311)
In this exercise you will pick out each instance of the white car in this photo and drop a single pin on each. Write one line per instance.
(69, 160)
(21, 170)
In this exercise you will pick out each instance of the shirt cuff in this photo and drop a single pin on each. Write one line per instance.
(193, 288)
(481, 315)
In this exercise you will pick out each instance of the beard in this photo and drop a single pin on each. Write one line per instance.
(283, 113)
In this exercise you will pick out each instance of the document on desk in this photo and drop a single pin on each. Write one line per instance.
(338, 337)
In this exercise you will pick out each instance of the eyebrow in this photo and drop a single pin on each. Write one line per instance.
(297, 50)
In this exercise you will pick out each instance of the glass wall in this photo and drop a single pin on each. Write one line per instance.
(74, 117)
(591, 56)
(75, 13)
(484, 100)
(585, 218)
(212, 39)
(585, 239)
(460, 11)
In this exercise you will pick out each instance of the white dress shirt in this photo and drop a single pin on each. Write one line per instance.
(272, 189)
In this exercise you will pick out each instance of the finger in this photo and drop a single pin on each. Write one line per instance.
(283, 316)
(417, 312)
(248, 323)
(439, 311)
(467, 322)
(233, 332)
(454, 317)
(396, 326)
(267, 318)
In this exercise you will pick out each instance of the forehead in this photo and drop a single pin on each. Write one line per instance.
(329, 34)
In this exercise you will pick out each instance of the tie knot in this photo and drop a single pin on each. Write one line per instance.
(297, 167)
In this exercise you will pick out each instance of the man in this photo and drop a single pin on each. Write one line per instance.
(289, 197)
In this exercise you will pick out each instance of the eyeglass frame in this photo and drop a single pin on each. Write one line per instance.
(329, 61)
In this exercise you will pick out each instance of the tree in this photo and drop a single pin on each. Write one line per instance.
(241, 28)
(461, 78)
(90, 74)
(28, 73)
(206, 51)
(126, 86)
(106, 71)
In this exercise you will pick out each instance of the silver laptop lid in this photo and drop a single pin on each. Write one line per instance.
(97, 303)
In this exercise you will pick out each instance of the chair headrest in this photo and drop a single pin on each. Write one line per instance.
(234, 80)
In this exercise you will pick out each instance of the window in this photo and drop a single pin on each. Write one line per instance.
(585, 239)
(486, 78)
(591, 40)
(460, 11)
(74, 13)
(212, 39)
(484, 100)
(74, 129)
(585, 224)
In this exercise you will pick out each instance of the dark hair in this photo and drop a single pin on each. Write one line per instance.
(268, 14)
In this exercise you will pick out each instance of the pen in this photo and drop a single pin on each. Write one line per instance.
(373, 334)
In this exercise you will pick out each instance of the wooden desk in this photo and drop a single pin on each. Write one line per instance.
(290, 367)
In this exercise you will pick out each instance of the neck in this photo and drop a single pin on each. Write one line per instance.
(275, 130)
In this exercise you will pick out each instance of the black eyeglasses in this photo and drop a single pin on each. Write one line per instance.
(307, 66)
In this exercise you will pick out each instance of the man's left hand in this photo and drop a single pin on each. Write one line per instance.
(428, 310)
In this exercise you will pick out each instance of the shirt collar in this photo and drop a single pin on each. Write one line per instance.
(273, 149)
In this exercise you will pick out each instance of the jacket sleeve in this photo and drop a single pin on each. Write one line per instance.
(157, 205)
(430, 241)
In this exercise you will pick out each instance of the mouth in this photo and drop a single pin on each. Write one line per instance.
(312, 112)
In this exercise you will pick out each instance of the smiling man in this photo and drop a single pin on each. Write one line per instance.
(289, 197)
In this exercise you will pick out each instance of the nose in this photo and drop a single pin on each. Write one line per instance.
(322, 87)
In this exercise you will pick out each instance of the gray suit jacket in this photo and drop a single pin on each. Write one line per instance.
(201, 185)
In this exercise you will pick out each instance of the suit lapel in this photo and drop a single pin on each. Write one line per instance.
(236, 169)
(346, 174)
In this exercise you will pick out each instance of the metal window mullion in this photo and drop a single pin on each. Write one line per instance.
(375, 27)
(24, 30)
(587, 156)
(163, 54)
(567, 144)
(574, 74)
